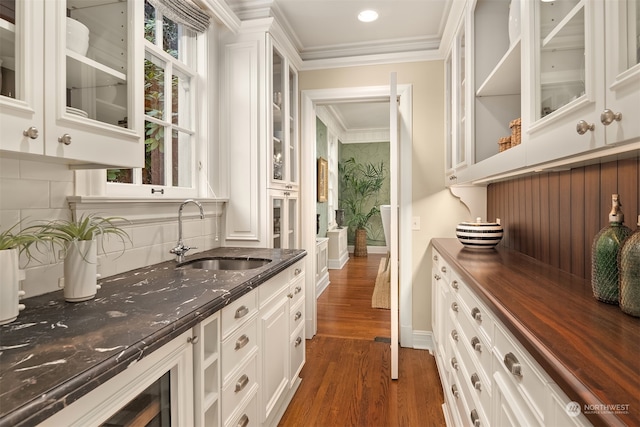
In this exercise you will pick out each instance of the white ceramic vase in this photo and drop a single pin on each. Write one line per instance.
(80, 270)
(514, 21)
(10, 293)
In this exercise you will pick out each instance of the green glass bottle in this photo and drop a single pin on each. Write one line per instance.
(629, 266)
(604, 255)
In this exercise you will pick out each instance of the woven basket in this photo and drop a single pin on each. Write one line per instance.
(360, 246)
(504, 143)
(516, 131)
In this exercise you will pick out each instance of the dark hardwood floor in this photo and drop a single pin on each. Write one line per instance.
(346, 378)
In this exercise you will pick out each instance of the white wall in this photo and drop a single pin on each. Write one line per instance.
(438, 210)
(32, 191)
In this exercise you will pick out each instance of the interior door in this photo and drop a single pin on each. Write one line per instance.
(394, 168)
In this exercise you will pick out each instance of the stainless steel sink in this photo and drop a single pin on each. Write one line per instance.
(224, 263)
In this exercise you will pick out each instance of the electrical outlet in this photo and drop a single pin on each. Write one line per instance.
(415, 223)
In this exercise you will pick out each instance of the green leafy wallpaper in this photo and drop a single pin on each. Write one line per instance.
(371, 152)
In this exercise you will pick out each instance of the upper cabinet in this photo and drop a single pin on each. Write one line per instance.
(71, 70)
(547, 82)
(259, 134)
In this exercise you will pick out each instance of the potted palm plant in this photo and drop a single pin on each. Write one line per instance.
(80, 248)
(13, 242)
(359, 188)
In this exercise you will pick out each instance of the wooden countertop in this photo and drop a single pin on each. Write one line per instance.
(589, 348)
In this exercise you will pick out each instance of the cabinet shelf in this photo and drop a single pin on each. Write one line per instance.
(567, 29)
(85, 72)
(505, 77)
(209, 360)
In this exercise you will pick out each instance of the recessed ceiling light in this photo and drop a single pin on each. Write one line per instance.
(368, 15)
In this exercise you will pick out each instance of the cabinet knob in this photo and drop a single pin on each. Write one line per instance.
(436, 276)
(297, 316)
(454, 306)
(241, 312)
(435, 257)
(242, 383)
(475, 418)
(32, 132)
(298, 342)
(607, 117)
(243, 421)
(455, 285)
(475, 313)
(582, 127)
(65, 139)
(193, 340)
(512, 364)
(454, 363)
(443, 269)
(475, 344)
(297, 271)
(475, 382)
(297, 290)
(454, 391)
(454, 335)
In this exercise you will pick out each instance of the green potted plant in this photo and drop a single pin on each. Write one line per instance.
(79, 241)
(359, 188)
(13, 242)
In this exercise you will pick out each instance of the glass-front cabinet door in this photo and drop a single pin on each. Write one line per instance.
(284, 136)
(284, 219)
(21, 76)
(622, 53)
(69, 71)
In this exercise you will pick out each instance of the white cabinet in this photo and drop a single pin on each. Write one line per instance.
(322, 264)
(338, 252)
(70, 106)
(283, 219)
(206, 372)
(259, 128)
(571, 75)
(153, 387)
(488, 377)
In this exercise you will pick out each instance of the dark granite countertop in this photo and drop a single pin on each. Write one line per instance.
(55, 352)
(589, 348)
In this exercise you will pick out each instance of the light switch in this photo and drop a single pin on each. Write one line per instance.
(415, 223)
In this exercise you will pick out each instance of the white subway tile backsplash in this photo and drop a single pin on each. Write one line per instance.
(44, 171)
(9, 168)
(59, 190)
(23, 194)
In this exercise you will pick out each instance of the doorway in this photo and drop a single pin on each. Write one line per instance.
(310, 99)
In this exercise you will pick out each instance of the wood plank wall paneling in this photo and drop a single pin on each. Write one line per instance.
(554, 216)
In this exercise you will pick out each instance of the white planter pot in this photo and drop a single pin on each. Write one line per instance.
(80, 270)
(10, 293)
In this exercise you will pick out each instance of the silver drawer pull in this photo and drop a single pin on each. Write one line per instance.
(242, 341)
(242, 383)
(31, 132)
(454, 306)
(454, 391)
(475, 344)
(297, 290)
(475, 382)
(455, 285)
(454, 335)
(435, 257)
(243, 421)
(193, 340)
(436, 276)
(298, 342)
(242, 311)
(513, 365)
(297, 316)
(297, 271)
(443, 269)
(289, 295)
(475, 313)
(454, 363)
(475, 419)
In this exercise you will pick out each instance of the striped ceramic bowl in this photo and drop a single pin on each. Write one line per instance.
(479, 235)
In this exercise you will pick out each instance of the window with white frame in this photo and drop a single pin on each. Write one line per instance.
(171, 80)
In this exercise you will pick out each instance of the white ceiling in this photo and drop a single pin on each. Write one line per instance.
(326, 30)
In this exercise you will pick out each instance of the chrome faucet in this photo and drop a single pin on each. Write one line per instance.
(180, 248)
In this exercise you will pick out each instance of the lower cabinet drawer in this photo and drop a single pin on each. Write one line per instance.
(521, 371)
(237, 347)
(239, 386)
(238, 312)
(478, 401)
(297, 353)
(247, 414)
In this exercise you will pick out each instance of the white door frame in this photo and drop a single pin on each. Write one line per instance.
(308, 101)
